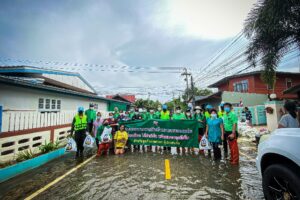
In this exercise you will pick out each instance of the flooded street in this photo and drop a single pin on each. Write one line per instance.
(137, 175)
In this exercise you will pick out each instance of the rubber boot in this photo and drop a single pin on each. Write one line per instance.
(234, 151)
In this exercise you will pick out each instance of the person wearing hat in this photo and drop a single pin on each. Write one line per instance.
(207, 112)
(230, 135)
(79, 125)
(200, 118)
(178, 115)
(91, 117)
(165, 114)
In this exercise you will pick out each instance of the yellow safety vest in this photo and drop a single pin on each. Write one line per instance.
(165, 115)
(80, 123)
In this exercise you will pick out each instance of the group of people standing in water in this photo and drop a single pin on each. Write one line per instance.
(219, 127)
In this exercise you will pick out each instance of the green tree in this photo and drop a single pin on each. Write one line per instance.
(273, 27)
(176, 102)
(197, 92)
(148, 104)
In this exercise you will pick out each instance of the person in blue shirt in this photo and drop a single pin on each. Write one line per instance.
(215, 132)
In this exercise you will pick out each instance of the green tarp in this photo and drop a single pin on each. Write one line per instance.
(168, 133)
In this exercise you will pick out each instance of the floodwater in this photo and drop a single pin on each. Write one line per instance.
(137, 175)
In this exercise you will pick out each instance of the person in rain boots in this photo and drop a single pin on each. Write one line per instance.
(230, 135)
(215, 132)
(178, 115)
(104, 137)
(79, 125)
(91, 117)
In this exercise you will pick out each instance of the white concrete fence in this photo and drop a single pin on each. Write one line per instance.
(23, 120)
(15, 142)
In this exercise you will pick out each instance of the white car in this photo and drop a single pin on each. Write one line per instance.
(278, 162)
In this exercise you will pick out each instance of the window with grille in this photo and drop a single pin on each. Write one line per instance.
(47, 104)
(41, 103)
(58, 105)
(53, 104)
(241, 86)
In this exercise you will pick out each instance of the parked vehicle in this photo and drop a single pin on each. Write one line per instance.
(278, 162)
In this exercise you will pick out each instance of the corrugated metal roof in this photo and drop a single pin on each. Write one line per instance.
(20, 81)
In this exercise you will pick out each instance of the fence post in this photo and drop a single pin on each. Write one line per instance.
(1, 118)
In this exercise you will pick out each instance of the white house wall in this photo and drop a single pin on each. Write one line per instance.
(70, 80)
(20, 98)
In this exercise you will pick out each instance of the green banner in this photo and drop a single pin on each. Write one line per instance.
(168, 133)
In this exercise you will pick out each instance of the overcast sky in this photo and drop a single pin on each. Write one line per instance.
(143, 33)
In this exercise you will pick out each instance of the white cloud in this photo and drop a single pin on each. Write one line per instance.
(209, 19)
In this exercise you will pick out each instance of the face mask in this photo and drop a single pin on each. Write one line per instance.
(178, 111)
(105, 124)
(188, 114)
(198, 111)
(80, 112)
(125, 115)
(159, 109)
(227, 109)
(164, 110)
(98, 117)
(110, 117)
(214, 116)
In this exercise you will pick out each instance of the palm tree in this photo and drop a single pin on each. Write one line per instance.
(273, 27)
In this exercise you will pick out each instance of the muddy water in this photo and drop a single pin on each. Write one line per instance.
(141, 176)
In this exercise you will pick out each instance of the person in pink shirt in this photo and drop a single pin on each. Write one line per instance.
(98, 122)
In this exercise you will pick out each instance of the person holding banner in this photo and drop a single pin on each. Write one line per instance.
(188, 115)
(230, 135)
(200, 118)
(165, 114)
(178, 115)
(215, 132)
(157, 113)
(151, 114)
(120, 140)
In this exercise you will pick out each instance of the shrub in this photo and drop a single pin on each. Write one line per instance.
(47, 147)
(24, 155)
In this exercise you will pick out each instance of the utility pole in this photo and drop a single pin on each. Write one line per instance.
(193, 91)
(186, 74)
(174, 105)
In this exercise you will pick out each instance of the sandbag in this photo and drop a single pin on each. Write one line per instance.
(89, 141)
(71, 145)
(204, 144)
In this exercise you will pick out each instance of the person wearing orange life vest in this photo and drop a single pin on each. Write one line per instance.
(79, 125)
